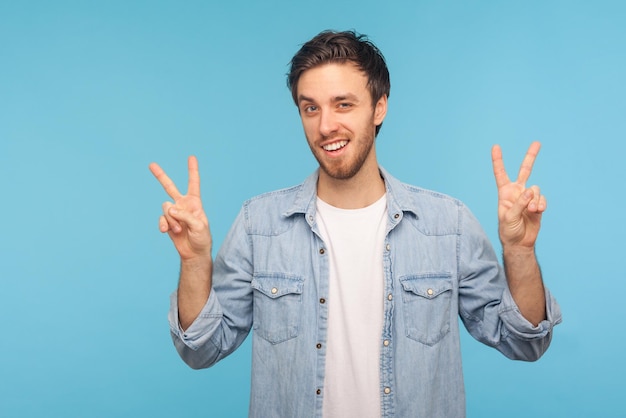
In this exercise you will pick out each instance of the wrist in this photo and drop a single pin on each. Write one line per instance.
(518, 252)
(195, 264)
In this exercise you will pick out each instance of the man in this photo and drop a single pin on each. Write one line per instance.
(353, 281)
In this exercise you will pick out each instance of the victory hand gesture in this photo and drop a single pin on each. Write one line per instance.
(519, 208)
(185, 220)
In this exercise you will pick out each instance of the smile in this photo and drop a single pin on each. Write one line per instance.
(335, 145)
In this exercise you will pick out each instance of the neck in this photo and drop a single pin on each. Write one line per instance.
(359, 191)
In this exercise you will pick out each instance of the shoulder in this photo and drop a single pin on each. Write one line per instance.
(276, 199)
(420, 196)
(286, 201)
(413, 197)
(433, 212)
(277, 211)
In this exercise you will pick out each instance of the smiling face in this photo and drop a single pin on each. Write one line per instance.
(339, 119)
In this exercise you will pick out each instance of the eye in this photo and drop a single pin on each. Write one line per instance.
(309, 108)
(344, 105)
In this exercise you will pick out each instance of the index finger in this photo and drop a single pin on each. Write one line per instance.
(499, 171)
(166, 182)
(193, 187)
(527, 164)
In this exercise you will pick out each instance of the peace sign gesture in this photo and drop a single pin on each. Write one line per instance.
(185, 220)
(519, 208)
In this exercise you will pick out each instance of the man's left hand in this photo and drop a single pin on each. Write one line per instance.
(519, 208)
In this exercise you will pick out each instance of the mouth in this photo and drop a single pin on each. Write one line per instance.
(335, 146)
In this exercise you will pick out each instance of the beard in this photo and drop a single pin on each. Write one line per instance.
(347, 166)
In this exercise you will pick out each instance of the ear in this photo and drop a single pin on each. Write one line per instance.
(380, 110)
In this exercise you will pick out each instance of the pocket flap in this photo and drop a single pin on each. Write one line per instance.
(275, 285)
(427, 287)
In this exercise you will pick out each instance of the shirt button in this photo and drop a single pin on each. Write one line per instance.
(322, 300)
(274, 290)
(319, 391)
(430, 292)
(389, 296)
(387, 391)
(322, 251)
(386, 343)
(388, 247)
(396, 216)
(318, 345)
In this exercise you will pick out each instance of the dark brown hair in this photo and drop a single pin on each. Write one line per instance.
(341, 47)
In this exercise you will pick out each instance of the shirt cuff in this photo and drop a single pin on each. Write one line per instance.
(202, 328)
(520, 327)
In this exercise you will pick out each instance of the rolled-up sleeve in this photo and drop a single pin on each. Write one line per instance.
(519, 327)
(192, 340)
(486, 305)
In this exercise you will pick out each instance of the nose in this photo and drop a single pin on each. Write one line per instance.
(328, 123)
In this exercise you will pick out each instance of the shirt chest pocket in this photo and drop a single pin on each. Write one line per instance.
(277, 306)
(427, 300)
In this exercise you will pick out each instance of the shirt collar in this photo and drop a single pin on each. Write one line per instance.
(399, 199)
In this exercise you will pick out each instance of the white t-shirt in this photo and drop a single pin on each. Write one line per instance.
(354, 241)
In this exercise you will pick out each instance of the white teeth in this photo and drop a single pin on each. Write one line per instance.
(335, 146)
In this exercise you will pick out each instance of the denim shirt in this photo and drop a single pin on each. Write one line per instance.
(271, 276)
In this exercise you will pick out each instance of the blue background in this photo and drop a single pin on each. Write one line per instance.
(92, 92)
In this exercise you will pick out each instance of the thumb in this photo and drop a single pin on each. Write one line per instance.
(521, 203)
(193, 223)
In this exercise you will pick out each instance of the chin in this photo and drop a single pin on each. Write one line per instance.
(340, 173)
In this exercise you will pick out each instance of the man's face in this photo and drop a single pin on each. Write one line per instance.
(339, 119)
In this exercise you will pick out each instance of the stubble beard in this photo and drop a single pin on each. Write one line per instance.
(344, 170)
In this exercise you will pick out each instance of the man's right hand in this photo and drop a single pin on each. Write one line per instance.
(185, 220)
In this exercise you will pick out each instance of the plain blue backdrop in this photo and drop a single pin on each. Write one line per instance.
(92, 92)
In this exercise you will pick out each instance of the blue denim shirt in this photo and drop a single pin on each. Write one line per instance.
(271, 276)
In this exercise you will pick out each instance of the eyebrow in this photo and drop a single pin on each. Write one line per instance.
(347, 96)
(302, 98)
(339, 98)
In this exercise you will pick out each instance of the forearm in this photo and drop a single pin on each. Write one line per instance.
(194, 287)
(525, 283)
